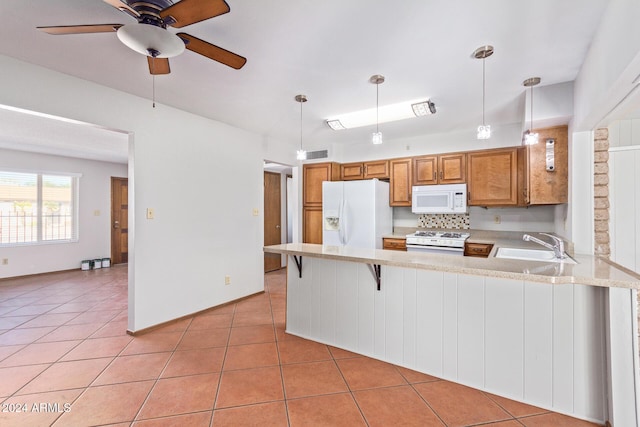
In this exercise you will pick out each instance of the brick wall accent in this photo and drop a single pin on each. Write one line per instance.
(601, 192)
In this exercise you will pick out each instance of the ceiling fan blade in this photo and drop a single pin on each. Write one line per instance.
(80, 29)
(123, 7)
(158, 65)
(187, 12)
(211, 51)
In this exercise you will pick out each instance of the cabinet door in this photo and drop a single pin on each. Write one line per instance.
(452, 168)
(400, 182)
(312, 232)
(544, 187)
(378, 169)
(313, 176)
(349, 171)
(493, 177)
(425, 170)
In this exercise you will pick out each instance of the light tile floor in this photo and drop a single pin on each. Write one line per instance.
(65, 360)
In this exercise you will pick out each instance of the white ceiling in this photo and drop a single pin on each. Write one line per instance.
(327, 50)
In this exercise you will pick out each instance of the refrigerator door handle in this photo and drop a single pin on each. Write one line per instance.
(344, 222)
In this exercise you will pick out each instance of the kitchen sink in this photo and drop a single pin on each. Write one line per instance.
(531, 255)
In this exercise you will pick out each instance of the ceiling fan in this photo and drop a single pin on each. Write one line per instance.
(150, 36)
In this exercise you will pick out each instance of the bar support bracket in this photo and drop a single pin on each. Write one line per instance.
(298, 264)
(375, 270)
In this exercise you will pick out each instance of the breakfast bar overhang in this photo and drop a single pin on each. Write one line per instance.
(561, 338)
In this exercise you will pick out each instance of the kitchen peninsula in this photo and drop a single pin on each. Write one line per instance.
(530, 331)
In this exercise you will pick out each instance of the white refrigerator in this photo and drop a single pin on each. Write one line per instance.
(356, 213)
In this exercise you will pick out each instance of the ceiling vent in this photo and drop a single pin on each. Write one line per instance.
(320, 154)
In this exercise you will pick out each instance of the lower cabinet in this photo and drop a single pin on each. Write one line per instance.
(312, 232)
(394, 244)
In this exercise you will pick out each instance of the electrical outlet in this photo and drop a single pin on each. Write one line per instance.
(5, 261)
(496, 219)
(227, 280)
(150, 213)
(96, 212)
(256, 212)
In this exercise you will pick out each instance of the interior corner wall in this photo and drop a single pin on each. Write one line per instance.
(202, 177)
(580, 211)
(610, 66)
(94, 231)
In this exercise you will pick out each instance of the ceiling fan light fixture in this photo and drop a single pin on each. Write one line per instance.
(146, 38)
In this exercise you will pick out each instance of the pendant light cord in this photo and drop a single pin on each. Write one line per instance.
(483, 88)
(377, 107)
(531, 112)
(300, 125)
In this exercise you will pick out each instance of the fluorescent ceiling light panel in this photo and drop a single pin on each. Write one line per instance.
(386, 113)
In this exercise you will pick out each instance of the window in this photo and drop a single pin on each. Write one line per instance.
(38, 208)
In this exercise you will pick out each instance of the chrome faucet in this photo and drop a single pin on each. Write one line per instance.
(557, 247)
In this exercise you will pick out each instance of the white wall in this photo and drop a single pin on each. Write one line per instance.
(202, 177)
(611, 65)
(94, 231)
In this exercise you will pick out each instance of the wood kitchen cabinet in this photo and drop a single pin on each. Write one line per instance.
(544, 185)
(493, 178)
(440, 169)
(394, 244)
(313, 175)
(400, 182)
(365, 170)
(477, 249)
(312, 224)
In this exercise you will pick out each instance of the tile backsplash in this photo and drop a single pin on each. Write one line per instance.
(452, 221)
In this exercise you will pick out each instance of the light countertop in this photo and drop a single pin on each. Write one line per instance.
(590, 270)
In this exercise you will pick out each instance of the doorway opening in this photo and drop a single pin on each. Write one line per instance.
(279, 210)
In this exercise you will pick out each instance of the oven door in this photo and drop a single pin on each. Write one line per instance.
(435, 249)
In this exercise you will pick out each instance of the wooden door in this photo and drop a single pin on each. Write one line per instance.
(425, 170)
(272, 215)
(312, 232)
(400, 182)
(493, 177)
(119, 220)
(349, 171)
(453, 168)
(376, 169)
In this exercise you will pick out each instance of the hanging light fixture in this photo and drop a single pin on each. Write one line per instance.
(531, 138)
(483, 52)
(301, 154)
(377, 80)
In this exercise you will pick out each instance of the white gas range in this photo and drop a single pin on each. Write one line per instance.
(444, 242)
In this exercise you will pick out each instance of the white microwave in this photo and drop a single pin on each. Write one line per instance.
(439, 199)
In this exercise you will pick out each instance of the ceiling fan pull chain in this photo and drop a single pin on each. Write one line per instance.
(153, 80)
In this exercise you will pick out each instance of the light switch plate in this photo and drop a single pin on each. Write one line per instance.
(150, 213)
(256, 212)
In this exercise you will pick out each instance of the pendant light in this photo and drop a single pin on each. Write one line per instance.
(483, 52)
(301, 154)
(377, 80)
(531, 138)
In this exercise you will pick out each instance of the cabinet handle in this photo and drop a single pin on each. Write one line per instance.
(441, 175)
(469, 196)
(435, 175)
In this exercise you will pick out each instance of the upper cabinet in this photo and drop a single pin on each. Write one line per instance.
(441, 169)
(492, 177)
(546, 168)
(313, 176)
(400, 171)
(365, 170)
